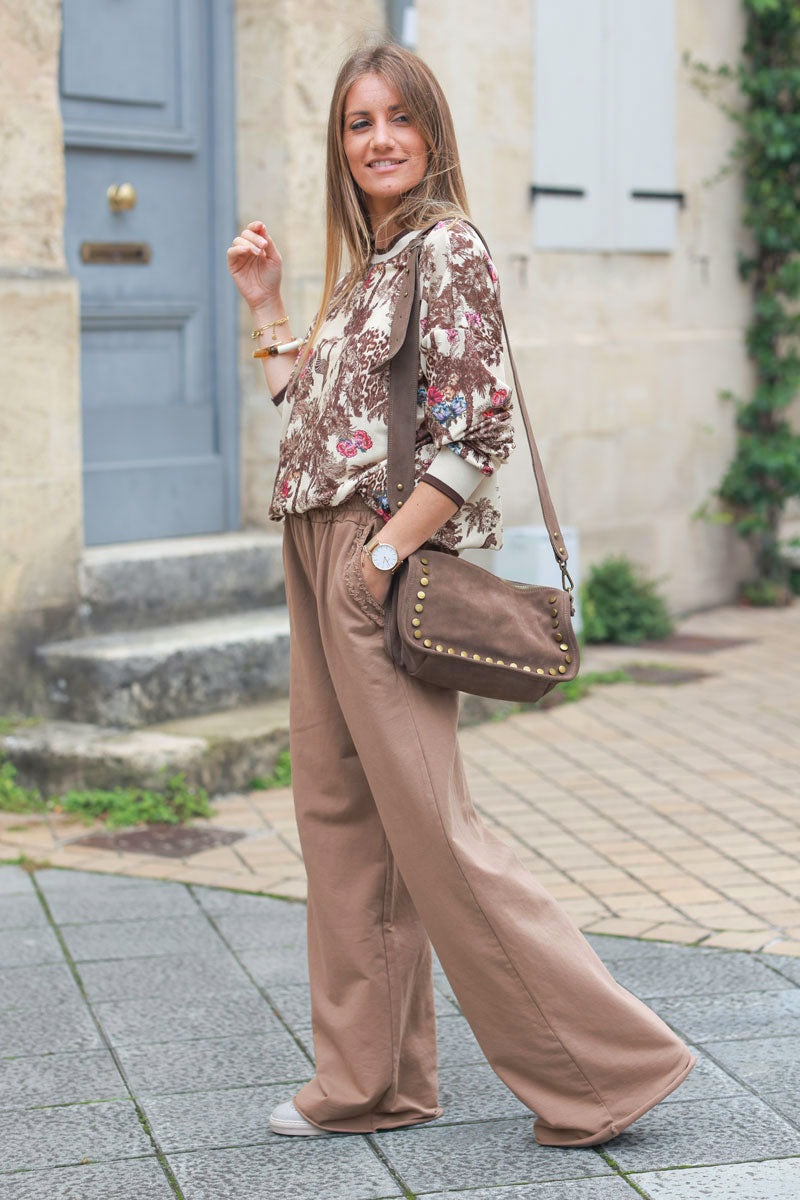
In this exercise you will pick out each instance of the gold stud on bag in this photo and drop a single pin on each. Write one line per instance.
(475, 632)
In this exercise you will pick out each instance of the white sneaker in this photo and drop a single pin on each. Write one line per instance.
(286, 1119)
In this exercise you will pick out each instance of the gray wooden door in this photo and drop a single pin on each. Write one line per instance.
(146, 98)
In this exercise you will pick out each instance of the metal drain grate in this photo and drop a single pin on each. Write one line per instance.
(171, 841)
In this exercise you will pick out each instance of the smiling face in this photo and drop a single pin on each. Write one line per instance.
(386, 154)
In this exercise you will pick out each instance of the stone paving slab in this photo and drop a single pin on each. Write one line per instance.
(437, 1157)
(21, 986)
(341, 1168)
(132, 939)
(206, 1093)
(776, 1180)
(737, 1015)
(43, 1137)
(72, 1078)
(131, 1179)
(186, 1018)
(197, 1066)
(47, 1029)
(600, 1188)
(216, 973)
(730, 1129)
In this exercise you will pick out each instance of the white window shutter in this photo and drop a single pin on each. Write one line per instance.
(642, 123)
(604, 121)
(569, 123)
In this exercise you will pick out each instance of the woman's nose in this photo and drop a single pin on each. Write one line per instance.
(382, 135)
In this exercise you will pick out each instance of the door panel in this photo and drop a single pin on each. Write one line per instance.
(139, 103)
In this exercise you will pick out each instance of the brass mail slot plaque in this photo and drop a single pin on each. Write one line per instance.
(119, 253)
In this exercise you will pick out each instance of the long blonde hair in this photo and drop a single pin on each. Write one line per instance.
(439, 195)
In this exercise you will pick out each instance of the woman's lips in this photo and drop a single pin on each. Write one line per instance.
(387, 166)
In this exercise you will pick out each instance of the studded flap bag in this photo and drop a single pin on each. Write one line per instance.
(449, 622)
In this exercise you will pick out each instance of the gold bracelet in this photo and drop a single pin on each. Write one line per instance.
(269, 325)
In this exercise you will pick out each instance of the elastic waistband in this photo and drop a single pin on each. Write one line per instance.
(350, 509)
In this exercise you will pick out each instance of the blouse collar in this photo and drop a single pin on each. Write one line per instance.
(398, 243)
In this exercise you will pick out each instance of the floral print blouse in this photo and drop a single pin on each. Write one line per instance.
(334, 416)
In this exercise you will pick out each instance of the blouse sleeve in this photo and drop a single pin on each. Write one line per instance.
(467, 403)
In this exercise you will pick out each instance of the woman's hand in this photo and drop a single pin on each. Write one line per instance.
(255, 266)
(377, 582)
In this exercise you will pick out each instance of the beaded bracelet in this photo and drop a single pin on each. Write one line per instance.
(280, 348)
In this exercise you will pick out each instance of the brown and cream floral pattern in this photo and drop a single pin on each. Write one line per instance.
(334, 417)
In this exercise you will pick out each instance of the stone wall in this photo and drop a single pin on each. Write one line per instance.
(40, 455)
(622, 356)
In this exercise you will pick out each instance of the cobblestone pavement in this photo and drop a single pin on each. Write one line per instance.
(147, 1028)
(664, 812)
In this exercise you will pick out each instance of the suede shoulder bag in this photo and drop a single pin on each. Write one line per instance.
(449, 622)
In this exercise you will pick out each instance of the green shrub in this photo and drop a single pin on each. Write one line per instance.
(13, 797)
(619, 605)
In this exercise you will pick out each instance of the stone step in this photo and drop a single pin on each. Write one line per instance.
(220, 751)
(138, 584)
(145, 676)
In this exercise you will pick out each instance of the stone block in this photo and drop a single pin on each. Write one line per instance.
(439, 1156)
(212, 975)
(761, 1062)
(185, 1017)
(93, 905)
(29, 947)
(690, 971)
(227, 1117)
(604, 1187)
(337, 1167)
(73, 1078)
(456, 1042)
(46, 1137)
(21, 912)
(151, 675)
(132, 939)
(136, 584)
(734, 1016)
(734, 1181)
(48, 1030)
(277, 965)
(21, 987)
(732, 1129)
(215, 1062)
(13, 880)
(133, 1179)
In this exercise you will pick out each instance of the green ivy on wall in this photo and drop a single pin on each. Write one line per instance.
(764, 473)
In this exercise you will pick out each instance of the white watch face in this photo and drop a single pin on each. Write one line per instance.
(384, 556)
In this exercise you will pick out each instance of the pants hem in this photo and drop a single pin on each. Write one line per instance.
(563, 1138)
(368, 1123)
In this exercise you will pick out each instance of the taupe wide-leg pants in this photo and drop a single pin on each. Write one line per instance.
(397, 859)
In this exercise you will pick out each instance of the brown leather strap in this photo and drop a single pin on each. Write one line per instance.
(403, 360)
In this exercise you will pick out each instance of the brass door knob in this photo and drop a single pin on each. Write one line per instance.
(121, 197)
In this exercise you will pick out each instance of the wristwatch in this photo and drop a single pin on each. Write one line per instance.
(384, 556)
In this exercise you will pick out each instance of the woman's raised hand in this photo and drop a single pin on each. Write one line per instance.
(255, 265)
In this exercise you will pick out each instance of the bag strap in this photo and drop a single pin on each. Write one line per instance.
(403, 359)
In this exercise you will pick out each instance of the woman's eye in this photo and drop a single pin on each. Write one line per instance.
(358, 125)
(401, 117)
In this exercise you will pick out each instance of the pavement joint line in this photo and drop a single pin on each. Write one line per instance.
(76, 975)
(703, 1047)
(262, 990)
(669, 820)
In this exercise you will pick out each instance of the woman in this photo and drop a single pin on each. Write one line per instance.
(394, 851)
